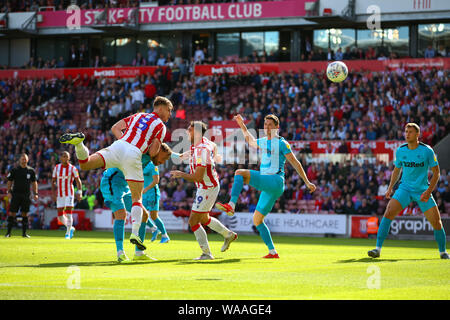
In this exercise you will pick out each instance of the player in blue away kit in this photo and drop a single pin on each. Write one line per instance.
(413, 159)
(150, 201)
(117, 197)
(269, 180)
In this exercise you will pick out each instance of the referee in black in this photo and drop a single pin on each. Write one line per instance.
(20, 179)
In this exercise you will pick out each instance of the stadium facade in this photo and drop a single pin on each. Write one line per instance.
(285, 30)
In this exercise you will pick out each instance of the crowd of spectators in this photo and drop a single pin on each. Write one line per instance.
(367, 106)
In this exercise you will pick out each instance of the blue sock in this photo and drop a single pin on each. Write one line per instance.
(383, 231)
(439, 235)
(119, 233)
(160, 225)
(238, 184)
(142, 233)
(265, 235)
(150, 223)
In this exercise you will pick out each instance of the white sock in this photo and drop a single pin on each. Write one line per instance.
(69, 220)
(200, 235)
(81, 151)
(63, 220)
(218, 227)
(378, 248)
(232, 204)
(273, 251)
(164, 235)
(138, 252)
(120, 252)
(153, 229)
(136, 217)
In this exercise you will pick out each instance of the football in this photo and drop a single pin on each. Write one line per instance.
(337, 71)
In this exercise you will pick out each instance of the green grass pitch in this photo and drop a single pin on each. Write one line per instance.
(47, 266)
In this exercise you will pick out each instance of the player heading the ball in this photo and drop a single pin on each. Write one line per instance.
(137, 134)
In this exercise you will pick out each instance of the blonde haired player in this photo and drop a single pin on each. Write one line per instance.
(203, 173)
(137, 134)
(64, 174)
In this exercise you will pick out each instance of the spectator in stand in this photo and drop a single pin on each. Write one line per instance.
(339, 55)
(97, 62)
(139, 61)
(151, 56)
(83, 56)
(429, 52)
(73, 57)
(161, 60)
(442, 52)
(370, 53)
(105, 62)
(199, 55)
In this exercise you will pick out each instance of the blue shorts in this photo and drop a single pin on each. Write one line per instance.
(150, 200)
(405, 197)
(116, 204)
(271, 187)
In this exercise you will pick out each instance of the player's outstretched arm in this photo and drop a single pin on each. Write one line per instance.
(197, 176)
(251, 140)
(299, 168)
(394, 178)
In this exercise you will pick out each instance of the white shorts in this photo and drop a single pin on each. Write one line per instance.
(126, 157)
(205, 199)
(62, 202)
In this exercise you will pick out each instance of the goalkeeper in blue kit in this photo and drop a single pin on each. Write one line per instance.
(413, 159)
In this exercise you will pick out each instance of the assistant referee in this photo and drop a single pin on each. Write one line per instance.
(20, 179)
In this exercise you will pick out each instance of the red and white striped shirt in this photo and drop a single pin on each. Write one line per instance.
(202, 155)
(64, 176)
(142, 128)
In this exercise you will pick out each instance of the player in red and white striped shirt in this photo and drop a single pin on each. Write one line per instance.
(137, 134)
(202, 158)
(64, 174)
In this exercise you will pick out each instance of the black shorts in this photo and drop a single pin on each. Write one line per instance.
(20, 201)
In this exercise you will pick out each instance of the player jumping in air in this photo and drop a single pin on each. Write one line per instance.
(413, 159)
(116, 194)
(269, 180)
(63, 193)
(137, 134)
(203, 173)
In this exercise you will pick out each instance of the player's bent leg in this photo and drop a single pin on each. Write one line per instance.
(245, 173)
(392, 210)
(94, 161)
(241, 176)
(434, 218)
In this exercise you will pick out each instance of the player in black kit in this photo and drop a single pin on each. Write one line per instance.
(20, 179)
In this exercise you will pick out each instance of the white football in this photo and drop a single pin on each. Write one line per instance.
(337, 71)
